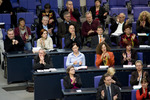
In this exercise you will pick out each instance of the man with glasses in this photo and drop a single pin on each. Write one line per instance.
(108, 91)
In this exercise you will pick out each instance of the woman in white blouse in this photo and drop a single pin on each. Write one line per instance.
(45, 42)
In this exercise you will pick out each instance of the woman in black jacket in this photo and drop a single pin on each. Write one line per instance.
(71, 80)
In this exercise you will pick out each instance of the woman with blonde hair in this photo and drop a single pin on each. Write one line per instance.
(143, 22)
(111, 71)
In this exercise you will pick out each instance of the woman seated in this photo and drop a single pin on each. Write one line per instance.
(128, 37)
(111, 71)
(75, 58)
(103, 55)
(72, 37)
(129, 56)
(139, 74)
(144, 92)
(24, 32)
(45, 42)
(71, 80)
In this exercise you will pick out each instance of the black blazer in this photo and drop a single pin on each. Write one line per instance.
(101, 13)
(133, 57)
(134, 76)
(9, 47)
(67, 82)
(140, 29)
(47, 60)
(95, 41)
(114, 90)
(114, 78)
(69, 41)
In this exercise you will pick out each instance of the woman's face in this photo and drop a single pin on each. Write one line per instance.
(44, 35)
(144, 16)
(97, 3)
(22, 23)
(71, 29)
(128, 47)
(72, 71)
(127, 31)
(104, 48)
(75, 48)
(144, 85)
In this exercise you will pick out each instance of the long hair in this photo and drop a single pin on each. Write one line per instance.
(147, 16)
(99, 48)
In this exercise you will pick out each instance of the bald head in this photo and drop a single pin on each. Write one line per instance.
(121, 17)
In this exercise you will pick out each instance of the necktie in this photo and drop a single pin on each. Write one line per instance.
(108, 94)
(100, 40)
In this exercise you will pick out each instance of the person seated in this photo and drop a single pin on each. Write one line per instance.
(1, 46)
(108, 91)
(89, 28)
(24, 32)
(98, 12)
(75, 58)
(128, 37)
(100, 38)
(143, 26)
(12, 42)
(104, 56)
(42, 61)
(63, 27)
(72, 37)
(71, 80)
(139, 74)
(144, 92)
(111, 71)
(45, 42)
(117, 28)
(129, 56)
(74, 13)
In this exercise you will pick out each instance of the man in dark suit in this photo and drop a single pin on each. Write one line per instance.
(42, 61)
(100, 38)
(64, 26)
(108, 91)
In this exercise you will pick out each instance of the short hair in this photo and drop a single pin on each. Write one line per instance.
(100, 27)
(68, 1)
(9, 30)
(42, 31)
(99, 47)
(98, 0)
(68, 69)
(47, 6)
(123, 14)
(127, 26)
(73, 44)
(111, 71)
(144, 80)
(66, 13)
(88, 12)
(106, 75)
(139, 61)
(21, 19)
(45, 17)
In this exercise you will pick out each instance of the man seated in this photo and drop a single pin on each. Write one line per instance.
(42, 60)
(63, 27)
(74, 13)
(100, 38)
(12, 42)
(89, 28)
(108, 91)
(47, 27)
(117, 28)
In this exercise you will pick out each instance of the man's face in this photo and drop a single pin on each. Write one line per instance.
(89, 18)
(67, 17)
(107, 80)
(11, 35)
(99, 31)
(69, 5)
(45, 21)
(139, 66)
(121, 18)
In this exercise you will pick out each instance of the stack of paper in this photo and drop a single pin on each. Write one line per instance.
(142, 34)
(80, 67)
(47, 70)
(136, 87)
(103, 66)
(128, 66)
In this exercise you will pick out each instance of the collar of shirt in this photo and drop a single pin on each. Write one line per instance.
(45, 27)
(67, 22)
(74, 55)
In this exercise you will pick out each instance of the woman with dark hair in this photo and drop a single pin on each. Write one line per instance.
(72, 37)
(75, 58)
(71, 80)
(129, 56)
(24, 32)
(45, 42)
(98, 12)
(128, 38)
(144, 92)
(103, 55)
